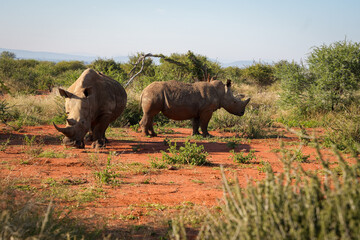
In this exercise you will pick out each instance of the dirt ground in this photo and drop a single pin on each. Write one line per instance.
(140, 199)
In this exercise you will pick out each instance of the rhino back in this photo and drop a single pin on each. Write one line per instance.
(107, 97)
(180, 101)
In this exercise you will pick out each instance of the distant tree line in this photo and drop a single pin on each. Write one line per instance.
(327, 81)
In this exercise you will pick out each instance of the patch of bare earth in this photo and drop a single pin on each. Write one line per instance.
(140, 199)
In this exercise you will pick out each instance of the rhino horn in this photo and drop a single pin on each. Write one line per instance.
(67, 131)
(247, 101)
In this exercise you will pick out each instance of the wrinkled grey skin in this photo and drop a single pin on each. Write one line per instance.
(92, 102)
(182, 101)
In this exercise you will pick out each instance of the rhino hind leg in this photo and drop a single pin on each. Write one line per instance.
(146, 124)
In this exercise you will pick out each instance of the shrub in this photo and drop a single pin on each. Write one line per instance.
(293, 205)
(190, 153)
(110, 68)
(64, 66)
(328, 83)
(259, 73)
(67, 78)
(254, 124)
(234, 73)
(241, 158)
(107, 176)
(336, 68)
(4, 111)
(131, 115)
(344, 130)
(296, 86)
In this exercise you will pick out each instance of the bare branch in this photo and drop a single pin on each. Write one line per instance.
(142, 60)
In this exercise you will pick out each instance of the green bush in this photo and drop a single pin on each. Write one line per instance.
(292, 205)
(241, 158)
(254, 124)
(329, 82)
(29, 76)
(190, 153)
(110, 68)
(344, 130)
(336, 68)
(234, 73)
(4, 111)
(64, 66)
(131, 115)
(259, 73)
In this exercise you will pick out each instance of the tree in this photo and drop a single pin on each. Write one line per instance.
(336, 68)
(7, 54)
(328, 82)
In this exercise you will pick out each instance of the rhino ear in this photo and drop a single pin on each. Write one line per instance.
(65, 93)
(88, 91)
(228, 83)
(71, 122)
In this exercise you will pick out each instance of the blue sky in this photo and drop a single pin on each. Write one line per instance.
(225, 30)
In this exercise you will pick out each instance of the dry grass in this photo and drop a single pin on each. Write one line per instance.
(36, 109)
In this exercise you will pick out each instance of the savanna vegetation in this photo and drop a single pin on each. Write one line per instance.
(322, 92)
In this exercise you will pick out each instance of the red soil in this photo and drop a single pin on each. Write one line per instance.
(144, 195)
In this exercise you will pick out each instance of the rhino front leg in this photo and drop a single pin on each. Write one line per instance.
(204, 122)
(98, 133)
(196, 125)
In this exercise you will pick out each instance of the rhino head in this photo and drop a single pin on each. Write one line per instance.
(232, 104)
(78, 120)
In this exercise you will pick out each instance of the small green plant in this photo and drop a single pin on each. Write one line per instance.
(107, 176)
(4, 145)
(158, 163)
(190, 153)
(146, 181)
(160, 129)
(135, 127)
(300, 157)
(241, 158)
(34, 147)
(4, 111)
(52, 154)
(198, 181)
(264, 167)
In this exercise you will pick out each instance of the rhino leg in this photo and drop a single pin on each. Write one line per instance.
(98, 132)
(146, 124)
(204, 122)
(196, 125)
(89, 137)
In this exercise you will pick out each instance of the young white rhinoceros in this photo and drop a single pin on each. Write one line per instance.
(92, 102)
(182, 101)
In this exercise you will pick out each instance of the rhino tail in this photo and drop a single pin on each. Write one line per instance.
(141, 96)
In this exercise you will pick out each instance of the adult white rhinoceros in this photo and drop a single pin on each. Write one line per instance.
(92, 102)
(181, 101)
